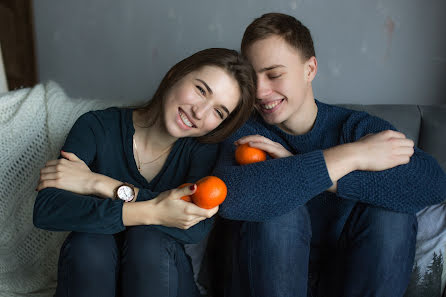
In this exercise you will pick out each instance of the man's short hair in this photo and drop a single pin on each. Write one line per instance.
(285, 26)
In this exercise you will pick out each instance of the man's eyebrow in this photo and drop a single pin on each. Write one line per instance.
(270, 68)
(206, 85)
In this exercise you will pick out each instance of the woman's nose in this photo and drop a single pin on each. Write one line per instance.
(201, 110)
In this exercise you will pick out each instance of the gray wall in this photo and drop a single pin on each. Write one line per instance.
(380, 51)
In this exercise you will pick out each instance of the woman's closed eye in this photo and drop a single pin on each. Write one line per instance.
(202, 91)
(220, 113)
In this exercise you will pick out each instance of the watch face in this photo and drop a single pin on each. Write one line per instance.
(125, 193)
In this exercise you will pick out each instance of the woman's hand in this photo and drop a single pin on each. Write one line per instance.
(384, 150)
(274, 149)
(69, 173)
(167, 209)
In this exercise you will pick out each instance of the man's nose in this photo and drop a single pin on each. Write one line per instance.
(263, 88)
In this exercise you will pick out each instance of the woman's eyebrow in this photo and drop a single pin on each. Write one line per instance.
(225, 109)
(206, 85)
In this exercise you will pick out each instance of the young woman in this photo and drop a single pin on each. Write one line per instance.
(116, 184)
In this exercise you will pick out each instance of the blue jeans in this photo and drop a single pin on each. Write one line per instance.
(141, 261)
(373, 257)
(270, 258)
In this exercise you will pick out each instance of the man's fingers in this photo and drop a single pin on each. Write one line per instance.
(402, 159)
(268, 148)
(407, 142)
(393, 134)
(405, 151)
(402, 142)
(253, 138)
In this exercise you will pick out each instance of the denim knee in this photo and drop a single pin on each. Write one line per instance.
(90, 253)
(274, 255)
(294, 223)
(146, 246)
(88, 265)
(393, 232)
(155, 261)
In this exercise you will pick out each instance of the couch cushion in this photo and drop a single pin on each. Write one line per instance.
(406, 118)
(433, 132)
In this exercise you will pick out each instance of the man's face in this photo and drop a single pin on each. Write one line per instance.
(283, 81)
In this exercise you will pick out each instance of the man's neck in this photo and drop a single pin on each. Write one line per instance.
(303, 121)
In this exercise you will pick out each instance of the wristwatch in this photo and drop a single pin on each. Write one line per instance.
(125, 192)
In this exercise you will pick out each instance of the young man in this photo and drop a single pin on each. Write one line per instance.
(334, 205)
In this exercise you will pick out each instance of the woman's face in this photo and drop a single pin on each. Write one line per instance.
(199, 102)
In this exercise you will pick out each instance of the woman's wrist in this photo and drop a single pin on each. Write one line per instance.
(104, 186)
(139, 213)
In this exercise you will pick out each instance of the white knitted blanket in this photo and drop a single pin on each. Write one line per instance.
(33, 126)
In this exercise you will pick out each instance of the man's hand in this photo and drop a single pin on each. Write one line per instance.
(383, 150)
(274, 149)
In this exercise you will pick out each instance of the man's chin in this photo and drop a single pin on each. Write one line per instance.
(270, 119)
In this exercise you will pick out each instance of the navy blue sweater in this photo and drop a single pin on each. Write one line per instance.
(260, 191)
(103, 140)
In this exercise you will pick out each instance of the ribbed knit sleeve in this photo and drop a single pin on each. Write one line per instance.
(60, 210)
(405, 188)
(260, 191)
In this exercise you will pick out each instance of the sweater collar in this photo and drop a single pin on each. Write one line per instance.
(308, 138)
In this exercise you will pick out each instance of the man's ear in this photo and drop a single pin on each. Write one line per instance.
(310, 69)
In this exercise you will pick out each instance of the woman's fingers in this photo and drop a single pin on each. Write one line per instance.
(184, 191)
(49, 169)
(193, 210)
(49, 176)
(194, 222)
(69, 156)
(46, 184)
(52, 162)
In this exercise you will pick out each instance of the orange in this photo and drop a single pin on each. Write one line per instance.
(186, 198)
(211, 191)
(244, 154)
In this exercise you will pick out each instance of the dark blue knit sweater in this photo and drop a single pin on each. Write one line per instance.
(103, 140)
(260, 191)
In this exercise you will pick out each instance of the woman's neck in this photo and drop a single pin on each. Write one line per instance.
(153, 138)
